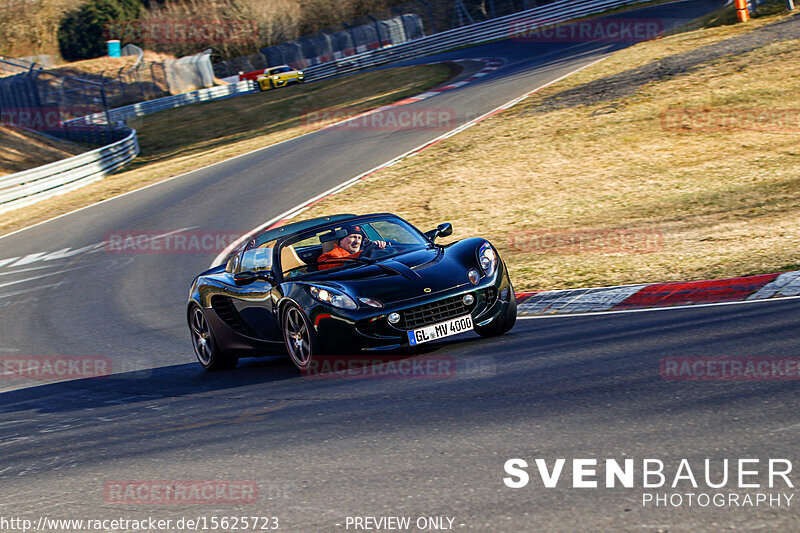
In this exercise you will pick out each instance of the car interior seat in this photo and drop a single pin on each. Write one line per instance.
(289, 259)
(329, 241)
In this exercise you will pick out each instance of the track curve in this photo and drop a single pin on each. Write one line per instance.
(321, 450)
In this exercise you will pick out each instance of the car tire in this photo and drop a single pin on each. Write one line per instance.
(503, 323)
(302, 342)
(205, 345)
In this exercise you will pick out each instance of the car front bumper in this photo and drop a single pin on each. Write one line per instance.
(354, 332)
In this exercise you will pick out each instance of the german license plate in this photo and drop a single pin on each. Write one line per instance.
(433, 332)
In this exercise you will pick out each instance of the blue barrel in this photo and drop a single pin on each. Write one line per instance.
(113, 48)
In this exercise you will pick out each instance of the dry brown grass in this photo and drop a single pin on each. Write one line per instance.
(29, 27)
(724, 203)
(21, 150)
(181, 140)
(108, 65)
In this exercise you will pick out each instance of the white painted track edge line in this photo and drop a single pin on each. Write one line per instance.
(303, 205)
(664, 308)
(191, 171)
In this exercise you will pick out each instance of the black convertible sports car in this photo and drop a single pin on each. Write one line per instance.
(278, 293)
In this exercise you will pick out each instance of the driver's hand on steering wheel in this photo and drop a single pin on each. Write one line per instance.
(380, 244)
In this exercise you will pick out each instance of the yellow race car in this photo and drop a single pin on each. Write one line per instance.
(274, 77)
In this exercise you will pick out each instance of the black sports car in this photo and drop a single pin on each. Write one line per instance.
(296, 289)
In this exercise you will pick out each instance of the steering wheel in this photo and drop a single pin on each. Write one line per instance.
(372, 251)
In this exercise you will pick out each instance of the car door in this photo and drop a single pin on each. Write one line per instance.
(256, 302)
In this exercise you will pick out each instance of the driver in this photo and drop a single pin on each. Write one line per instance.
(348, 245)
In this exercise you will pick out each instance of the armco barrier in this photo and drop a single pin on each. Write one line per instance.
(122, 114)
(503, 27)
(499, 28)
(30, 186)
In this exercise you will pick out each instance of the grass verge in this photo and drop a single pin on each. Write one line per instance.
(177, 141)
(689, 177)
(22, 150)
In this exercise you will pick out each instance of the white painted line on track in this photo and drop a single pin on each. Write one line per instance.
(27, 270)
(174, 232)
(303, 206)
(38, 277)
(668, 308)
(155, 184)
(200, 169)
(37, 288)
(69, 252)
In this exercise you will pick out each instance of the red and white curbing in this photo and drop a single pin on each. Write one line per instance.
(490, 64)
(652, 295)
(572, 301)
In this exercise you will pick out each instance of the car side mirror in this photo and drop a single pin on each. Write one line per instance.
(245, 278)
(443, 230)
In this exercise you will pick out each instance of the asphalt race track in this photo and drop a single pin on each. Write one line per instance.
(322, 450)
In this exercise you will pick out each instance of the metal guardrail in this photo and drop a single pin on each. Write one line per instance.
(121, 114)
(499, 28)
(31, 186)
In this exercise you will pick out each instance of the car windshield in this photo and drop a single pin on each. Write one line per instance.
(278, 70)
(320, 250)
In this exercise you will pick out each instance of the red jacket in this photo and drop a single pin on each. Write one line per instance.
(336, 253)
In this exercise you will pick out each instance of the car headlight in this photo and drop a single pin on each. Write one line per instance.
(276, 77)
(332, 297)
(370, 302)
(299, 72)
(487, 258)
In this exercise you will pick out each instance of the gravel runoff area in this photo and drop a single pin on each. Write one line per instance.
(627, 83)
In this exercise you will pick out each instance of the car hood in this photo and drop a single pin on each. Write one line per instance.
(406, 276)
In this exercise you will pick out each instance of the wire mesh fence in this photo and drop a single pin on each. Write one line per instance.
(144, 80)
(36, 99)
(45, 100)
